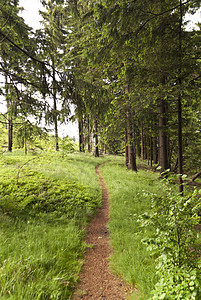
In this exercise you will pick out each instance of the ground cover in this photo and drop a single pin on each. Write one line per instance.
(45, 202)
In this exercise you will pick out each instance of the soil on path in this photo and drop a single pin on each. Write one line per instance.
(96, 280)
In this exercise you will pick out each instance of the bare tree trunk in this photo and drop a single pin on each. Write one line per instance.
(88, 136)
(163, 148)
(162, 105)
(9, 118)
(180, 151)
(145, 147)
(133, 139)
(131, 145)
(151, 151)
(10, 133)
(56, 126)
(130, 136)
(126, 148)
(81, 136)
(179, 106)
(25, 140)
(138, 148)
(56, 135)
(96, 150)
(142, 142)
(155, 156)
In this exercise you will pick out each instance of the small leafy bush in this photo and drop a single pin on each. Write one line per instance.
(173, 245)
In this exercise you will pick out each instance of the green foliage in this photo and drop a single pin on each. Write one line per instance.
(68, 145)
(30, 134)
(173, 219)
(178, 283)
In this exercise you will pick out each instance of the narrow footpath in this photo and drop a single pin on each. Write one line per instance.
(96, 280)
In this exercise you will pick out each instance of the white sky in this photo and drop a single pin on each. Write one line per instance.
(193, 19)
(31, 12)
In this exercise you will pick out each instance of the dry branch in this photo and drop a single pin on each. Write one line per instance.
(196, 176)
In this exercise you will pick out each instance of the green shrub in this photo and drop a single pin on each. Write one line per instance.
(173, 219)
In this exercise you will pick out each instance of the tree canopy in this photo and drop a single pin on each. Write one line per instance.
(130, 68)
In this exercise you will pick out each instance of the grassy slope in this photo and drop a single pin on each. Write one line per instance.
(41, 249)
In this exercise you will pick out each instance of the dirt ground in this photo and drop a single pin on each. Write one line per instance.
(96, 280)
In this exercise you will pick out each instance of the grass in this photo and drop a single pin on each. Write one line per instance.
(45, 202)
(39, 260)
(129, 197)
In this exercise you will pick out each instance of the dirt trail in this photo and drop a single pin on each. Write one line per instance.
(96, 280)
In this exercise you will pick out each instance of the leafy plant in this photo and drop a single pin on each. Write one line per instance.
(173, 219)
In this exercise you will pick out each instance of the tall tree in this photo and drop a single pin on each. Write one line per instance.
(52, 49)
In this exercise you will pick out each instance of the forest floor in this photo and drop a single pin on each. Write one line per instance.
(96, 279)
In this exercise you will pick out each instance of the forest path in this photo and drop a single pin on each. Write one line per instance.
(96, 280)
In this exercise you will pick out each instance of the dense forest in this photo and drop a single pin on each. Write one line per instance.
(130, 68)
(129, 73)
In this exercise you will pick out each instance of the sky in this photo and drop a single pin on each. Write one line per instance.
(30, 13)
(194, 19)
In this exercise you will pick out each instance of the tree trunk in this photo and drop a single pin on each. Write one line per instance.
(151, 151)
(25, 140)
(9, 118)
(131, 145)
(145, 148)
(88, 136)
(10, 133)
(56, 126)
(130, 136)
(179, 105)
(126, 148)
(155, 156)
(138, 148)
(180, 151)
(56, 135)
(142, 142)
(96, 150)
(81, 135)
(163, 148)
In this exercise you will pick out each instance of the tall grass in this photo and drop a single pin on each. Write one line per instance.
(129, 197)
(39, 260)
